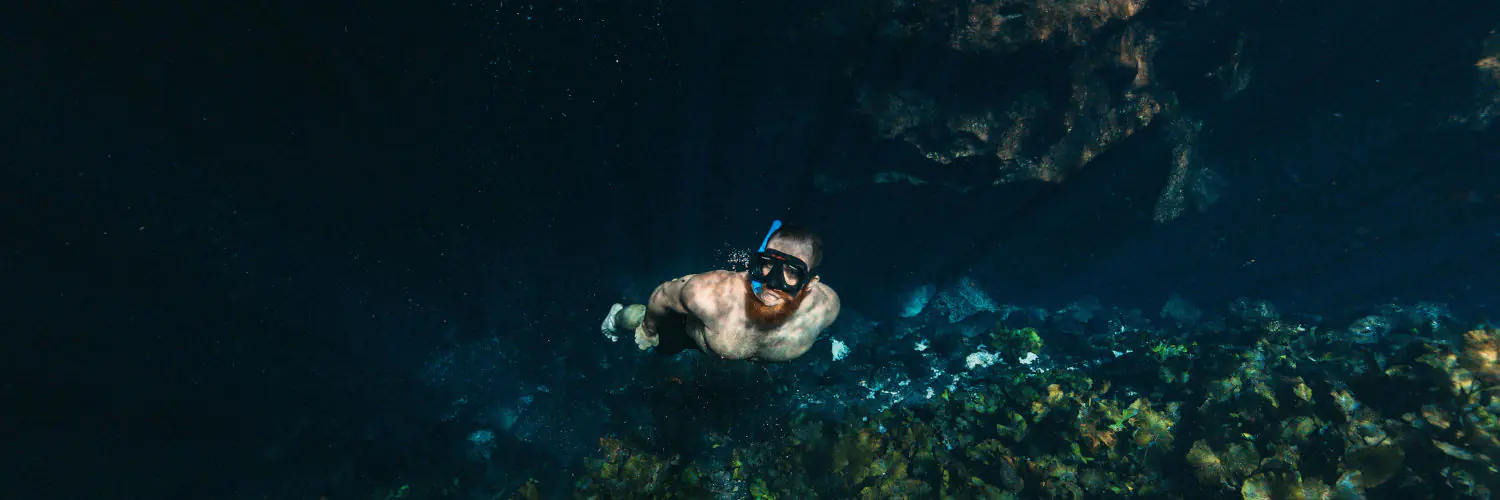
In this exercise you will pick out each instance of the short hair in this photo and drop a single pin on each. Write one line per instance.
(802, 236)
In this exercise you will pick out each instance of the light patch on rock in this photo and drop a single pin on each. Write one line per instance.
(840, 349)
(980, 359)
(1029, 358)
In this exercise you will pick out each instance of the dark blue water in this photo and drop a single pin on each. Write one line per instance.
(273, 250)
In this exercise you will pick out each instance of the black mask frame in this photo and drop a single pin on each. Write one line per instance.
(775, 276)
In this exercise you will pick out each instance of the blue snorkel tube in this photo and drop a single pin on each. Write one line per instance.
(775, 224)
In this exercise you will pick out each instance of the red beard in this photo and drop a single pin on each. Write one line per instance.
(768, 316)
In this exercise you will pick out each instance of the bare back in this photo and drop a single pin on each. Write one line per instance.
(718, 322)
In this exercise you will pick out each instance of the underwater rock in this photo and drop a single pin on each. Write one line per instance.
(1190, 182)
(1348, 486)
(917, 300)
(1181, 311)
(1207, 466)
(1481, 353)
(1299, 429)
(1081, 310)
(1256, 488)
(1436, 417)
(963, 300)
(1369, 329)
(1011, 132)
(482, 444)
(1464, 483)
(1257, 312)
(1455, 452)
(1090, 82)
(1374, 464)
(1486, 87)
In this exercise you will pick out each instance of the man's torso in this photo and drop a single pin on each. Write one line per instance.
(722, 327)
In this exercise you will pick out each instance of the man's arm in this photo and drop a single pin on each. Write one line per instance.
(665, 301)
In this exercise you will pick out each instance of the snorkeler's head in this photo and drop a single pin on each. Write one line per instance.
(782, 272)
(786, 260)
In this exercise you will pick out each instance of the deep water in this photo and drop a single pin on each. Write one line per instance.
(303, 250)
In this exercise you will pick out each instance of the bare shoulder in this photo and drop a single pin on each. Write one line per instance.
(828, 294)
(703, 291)
(710, 282)
(696, 282)
(823, 310)
(829, 301)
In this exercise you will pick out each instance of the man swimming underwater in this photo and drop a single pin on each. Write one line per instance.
(773, 312)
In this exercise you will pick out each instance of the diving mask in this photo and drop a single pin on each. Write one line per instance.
(777, 270)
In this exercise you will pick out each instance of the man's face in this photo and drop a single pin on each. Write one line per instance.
(772, 307)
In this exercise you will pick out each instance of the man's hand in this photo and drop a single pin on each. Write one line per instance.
(645, 340)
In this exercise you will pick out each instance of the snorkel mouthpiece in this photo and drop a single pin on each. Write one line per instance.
(775, 224)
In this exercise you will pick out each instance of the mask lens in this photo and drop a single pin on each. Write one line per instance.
(761, 266)
(791, 275)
